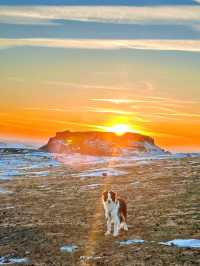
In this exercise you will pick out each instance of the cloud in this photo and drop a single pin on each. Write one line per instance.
(141, 44)
(125, 101)
(153, 107)
(27, 21)
(146, 86)
(142, 85)
(25, 122)
(48, 109)
(150, 102)
(88, 109)
(163, 118)
(173, 100)
(190, 115)
(107, 110)
(15, 79)
(135, 115)
(80, 85)
(103, 14)
(82, 109)
(116, 101)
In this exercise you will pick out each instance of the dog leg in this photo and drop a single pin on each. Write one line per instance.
(108, 232)
(122, 225)
(116, 226)
(125, 227)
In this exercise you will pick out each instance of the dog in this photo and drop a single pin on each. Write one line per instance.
(115, 212)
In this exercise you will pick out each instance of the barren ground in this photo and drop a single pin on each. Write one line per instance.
(44, 213)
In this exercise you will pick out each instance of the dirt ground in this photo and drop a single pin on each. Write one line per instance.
(45, 213)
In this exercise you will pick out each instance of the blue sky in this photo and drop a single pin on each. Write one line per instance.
(142, 19)
(98, 2)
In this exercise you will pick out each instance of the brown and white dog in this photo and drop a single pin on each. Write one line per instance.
(115, 212)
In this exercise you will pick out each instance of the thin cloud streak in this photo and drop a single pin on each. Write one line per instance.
(27, 123)
(82, 109)
(11, 123)
(159, 103)
(161, 45)
(172, 100)
(92, 86)
(135, 115)
(115, 101)
(106, 110)
(153, 107)
(125, 101)
(27, 21)
(81, 85)
(102, 14)
(91, 109)
(47, 109)
(179, 114)
(163, 118)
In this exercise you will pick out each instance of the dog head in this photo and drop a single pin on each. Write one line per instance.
(108, 197)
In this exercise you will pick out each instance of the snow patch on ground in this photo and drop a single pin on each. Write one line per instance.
(7, 208)
(75, 159)
(131, 241)
(186, 155)
(9, 261)
(68, 248)
(29, 164)
(91, 186)
(136, 183)
(33, 162)
(80, 159)
(102, 172)
(183, 243)
(90, 257)
(4, 191)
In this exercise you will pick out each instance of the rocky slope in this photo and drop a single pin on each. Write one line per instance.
(101, 143)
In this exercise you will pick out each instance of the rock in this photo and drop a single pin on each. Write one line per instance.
(101, 144)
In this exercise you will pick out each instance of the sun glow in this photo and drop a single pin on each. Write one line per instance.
(119, 129)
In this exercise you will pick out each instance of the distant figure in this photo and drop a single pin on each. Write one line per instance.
(104, 174)
(115, 212)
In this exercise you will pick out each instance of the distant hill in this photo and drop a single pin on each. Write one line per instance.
(101, 143)
(13, 145)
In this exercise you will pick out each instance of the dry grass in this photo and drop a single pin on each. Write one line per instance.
(48, 212)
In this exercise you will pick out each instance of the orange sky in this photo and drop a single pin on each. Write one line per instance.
(169, 131)
(45, 90)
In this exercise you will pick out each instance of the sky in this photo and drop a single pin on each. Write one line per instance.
(91, 65)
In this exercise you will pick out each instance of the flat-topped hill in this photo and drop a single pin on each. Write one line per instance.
(101, 143)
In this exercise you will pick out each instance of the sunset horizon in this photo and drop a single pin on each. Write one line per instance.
(93, 65)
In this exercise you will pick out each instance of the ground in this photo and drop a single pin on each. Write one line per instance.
(44, 213)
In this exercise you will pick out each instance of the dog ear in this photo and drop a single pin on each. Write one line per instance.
(113, 195)
(105, 195)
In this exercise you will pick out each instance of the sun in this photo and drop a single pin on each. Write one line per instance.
(119, 129)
